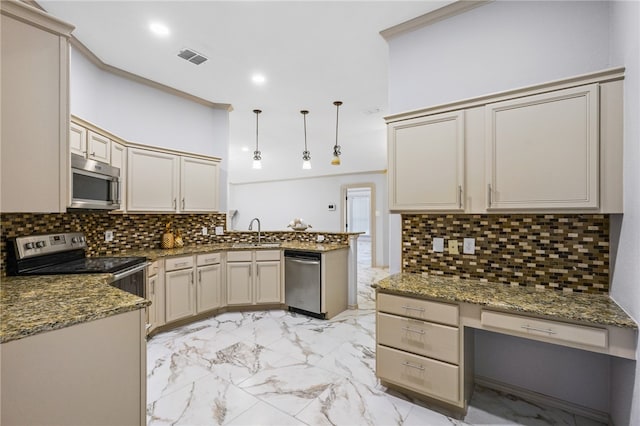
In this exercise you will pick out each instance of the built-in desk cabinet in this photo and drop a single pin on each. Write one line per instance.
(556, 147)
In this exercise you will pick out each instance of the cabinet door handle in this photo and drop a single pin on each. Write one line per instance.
(93, 154)
(489, 201)
(413, 330)
(182, 203)
(460, 196)
(153, 287)
(417, 367)
(542, 330)
(191, 276)
(200, 276)
(413, 309)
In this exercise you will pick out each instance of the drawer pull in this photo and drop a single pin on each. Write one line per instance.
(413, 309)
(177, 265)
(542, 330)
(413, 330)
(417, 367)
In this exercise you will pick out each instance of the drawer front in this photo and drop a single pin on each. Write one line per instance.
(267, 255)
(420, 337)
(173, 263)
(240, 256)
(208, 259)
(444, 313)
(558, 331)
(423, 375)
(153, 269)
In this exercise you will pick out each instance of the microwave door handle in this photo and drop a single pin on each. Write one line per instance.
(115, 191)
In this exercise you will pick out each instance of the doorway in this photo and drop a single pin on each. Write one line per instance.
(358, 215)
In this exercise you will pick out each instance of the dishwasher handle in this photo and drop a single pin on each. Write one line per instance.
(303, 262)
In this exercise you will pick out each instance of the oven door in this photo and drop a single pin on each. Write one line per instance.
(132, 280)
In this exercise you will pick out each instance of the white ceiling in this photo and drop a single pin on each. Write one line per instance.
(311, 52)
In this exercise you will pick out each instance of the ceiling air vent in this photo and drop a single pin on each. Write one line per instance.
(192, 56)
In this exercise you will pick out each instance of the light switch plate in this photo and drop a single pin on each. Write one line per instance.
(108, 236)
(469, 246)
(205, 231)
(219, 230)
(438, 245)
(453, 247)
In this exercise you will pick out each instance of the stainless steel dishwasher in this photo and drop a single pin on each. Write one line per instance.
(302, 281)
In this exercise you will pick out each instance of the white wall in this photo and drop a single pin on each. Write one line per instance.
(501, 46)
(142, 114)
(276, 203)
(625, 288)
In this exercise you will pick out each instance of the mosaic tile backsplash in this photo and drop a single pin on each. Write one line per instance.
(562, 252)
(136, 231)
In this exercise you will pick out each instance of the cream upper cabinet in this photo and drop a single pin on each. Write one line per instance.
(542, 151)
(34, 157)
(152, 180)
(198, 185)
(98, 147)
(119, 160)
(426, 163)
(77, 139)
(165, 182)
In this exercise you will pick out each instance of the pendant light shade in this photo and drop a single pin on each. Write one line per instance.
(306, 155)
(257, 155)
(335, 161)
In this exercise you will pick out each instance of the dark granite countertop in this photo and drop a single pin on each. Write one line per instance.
(594, 309)
(35, 304)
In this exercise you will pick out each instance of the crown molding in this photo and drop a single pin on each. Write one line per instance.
(432, 17)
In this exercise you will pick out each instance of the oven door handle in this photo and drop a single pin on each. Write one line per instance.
(130, 271)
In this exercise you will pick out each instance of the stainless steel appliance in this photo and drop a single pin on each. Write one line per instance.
(302, 282)
(94, 185)
(65, 253)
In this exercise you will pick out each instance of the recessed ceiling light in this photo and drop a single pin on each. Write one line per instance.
(258, 79)
(245, 149)
(159, 29)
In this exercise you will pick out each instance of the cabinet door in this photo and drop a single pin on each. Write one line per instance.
(239, 283)
(426, 163)
(543, 151)
(268, 282)
(119, 160)
(152, 181)
(98, 147)
(179, 294)
(198, 185)
(78, 139)
(34, 115)
(208, 292)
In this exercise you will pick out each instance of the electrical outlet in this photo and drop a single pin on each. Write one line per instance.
(108, 236)
(438, 245)
(219, 230)
(320, 238)
(205, 231)
(453, 247)
(469, 246)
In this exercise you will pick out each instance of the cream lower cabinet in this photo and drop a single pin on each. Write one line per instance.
(254, 277)
(155, 293)
(92, 373)
(179, 284)
(418, 347)
(426, 163)
(542, 151)
(209, 282)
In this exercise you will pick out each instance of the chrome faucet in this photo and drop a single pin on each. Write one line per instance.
(255, 219)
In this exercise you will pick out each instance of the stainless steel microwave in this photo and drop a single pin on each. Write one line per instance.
(94, 185)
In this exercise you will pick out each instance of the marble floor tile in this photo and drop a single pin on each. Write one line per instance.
(282, 368)
(207, 401)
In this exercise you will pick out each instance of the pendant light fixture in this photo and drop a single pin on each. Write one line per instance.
(336, 148)
(306, 155)
(257, 156)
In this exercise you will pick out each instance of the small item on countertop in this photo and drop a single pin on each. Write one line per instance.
(167, 237)
(177, 242)
(298, 224)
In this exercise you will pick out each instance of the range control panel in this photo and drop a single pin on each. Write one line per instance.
(38, 245)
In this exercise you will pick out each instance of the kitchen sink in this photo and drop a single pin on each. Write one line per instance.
(255, 245)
